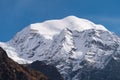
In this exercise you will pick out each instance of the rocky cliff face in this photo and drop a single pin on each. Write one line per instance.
(110, 72)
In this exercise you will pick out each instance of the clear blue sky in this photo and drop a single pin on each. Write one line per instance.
(17, 14)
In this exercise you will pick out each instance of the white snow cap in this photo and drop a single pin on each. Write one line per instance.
(52, 27)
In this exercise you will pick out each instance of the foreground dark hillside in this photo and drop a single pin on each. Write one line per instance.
(10, 70)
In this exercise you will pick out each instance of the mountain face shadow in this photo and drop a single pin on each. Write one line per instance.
(50, 71)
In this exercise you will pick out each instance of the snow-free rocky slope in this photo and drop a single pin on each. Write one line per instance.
(77, 47)
(10, 70)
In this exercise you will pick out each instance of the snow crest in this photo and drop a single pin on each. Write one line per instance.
(52, 27)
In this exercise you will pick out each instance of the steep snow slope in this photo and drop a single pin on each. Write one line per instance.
(12, 53)
(37, 38)
(71, 44)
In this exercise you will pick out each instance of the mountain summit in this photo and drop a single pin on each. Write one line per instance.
(70, 22)
(77, 47)
(50, 28)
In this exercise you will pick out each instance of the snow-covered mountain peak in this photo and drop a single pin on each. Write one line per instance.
(52, 27)
(71, 44)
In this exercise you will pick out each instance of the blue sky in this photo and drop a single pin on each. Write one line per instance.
(17, 14)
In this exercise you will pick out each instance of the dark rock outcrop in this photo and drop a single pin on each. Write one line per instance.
(50, 71)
